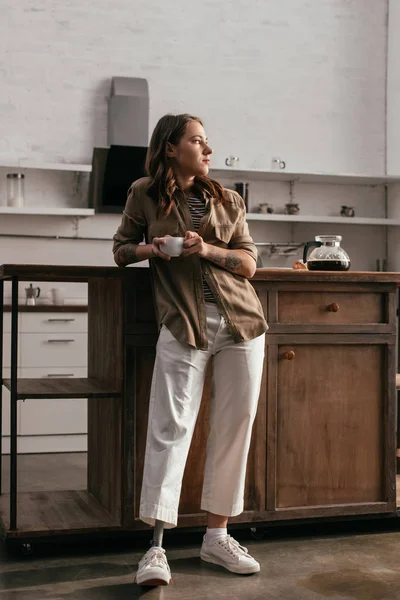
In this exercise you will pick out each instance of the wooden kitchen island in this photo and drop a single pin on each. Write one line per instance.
(324, 440)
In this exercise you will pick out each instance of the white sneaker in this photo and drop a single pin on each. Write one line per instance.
(227, 552)
(153, 568)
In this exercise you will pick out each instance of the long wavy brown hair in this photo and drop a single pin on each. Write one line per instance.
(163, 185)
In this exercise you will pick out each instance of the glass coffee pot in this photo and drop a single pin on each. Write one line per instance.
(328, 255)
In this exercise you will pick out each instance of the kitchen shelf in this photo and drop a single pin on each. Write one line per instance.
(27, 164)
(286, 176)
(62, 388)
(56, 512)
(47, 211)
(322, 219)
(52, 308)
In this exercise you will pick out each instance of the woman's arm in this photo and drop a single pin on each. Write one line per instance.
(236, 261)
(131, 231)
(130, 253)
(128, 248)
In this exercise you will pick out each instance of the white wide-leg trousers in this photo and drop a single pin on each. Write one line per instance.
(176, 392)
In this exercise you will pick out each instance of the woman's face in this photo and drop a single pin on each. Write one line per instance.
(191, 156)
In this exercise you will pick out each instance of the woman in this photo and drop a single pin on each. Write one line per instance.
(206, 307)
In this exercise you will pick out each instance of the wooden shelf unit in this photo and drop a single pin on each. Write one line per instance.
(59, 512)
(51, 308)
(61, 387)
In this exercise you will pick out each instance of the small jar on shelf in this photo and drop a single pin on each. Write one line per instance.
(15, 189)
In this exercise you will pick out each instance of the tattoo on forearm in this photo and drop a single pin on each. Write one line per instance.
(126, 255)
(233, 262)
(216, 257)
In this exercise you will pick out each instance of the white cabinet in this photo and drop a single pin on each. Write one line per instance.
(7, 341)
(53, 322)
(6, 410)
(52, 425)
(6, 375)
(49, 345)
(6, 350)
(53, 349)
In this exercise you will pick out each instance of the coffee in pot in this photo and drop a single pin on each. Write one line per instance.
(327, 255)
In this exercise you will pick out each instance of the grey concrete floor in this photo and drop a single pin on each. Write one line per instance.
(308, 563)
(345, 567)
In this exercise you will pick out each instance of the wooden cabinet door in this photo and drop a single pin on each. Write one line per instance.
(329, 444)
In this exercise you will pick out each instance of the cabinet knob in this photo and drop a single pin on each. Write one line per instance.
(289, 355)
(333, 307)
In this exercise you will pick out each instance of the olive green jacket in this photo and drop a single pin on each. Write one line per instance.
(177, 283)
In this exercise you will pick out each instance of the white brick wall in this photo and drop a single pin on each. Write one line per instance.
(393, 90)
(393, 127)
(303, 79)
(298, 78)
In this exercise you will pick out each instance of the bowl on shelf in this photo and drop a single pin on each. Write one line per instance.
(291, 208)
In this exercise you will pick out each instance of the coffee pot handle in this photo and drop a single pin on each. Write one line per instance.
(38, 292)
(307, 246)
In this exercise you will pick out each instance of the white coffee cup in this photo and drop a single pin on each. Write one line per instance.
(57, 296)
(173, 246)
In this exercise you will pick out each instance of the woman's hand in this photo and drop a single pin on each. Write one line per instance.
(194, 244)
(156, 245)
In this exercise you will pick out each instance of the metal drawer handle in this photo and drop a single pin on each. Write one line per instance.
(59, 341)
(59, 375)
(333, 307)
(60, 320)
(289, 355)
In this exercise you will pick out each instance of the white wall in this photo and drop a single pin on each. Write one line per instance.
(393, 127)
(299, 79)
(393, 90)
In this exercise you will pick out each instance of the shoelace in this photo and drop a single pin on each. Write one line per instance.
(155, 557)
(233, 547)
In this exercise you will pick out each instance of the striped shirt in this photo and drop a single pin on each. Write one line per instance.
(197, 207)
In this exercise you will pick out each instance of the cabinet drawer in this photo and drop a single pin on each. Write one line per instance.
(6, 412)
(53, 416)
(7, 350)
(53, 322)
(48, 372)
(53, 350)
(6, 322)
(331, 308)
(6, 407)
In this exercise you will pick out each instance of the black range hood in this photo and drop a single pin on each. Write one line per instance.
(116, 167)
(124, 164)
